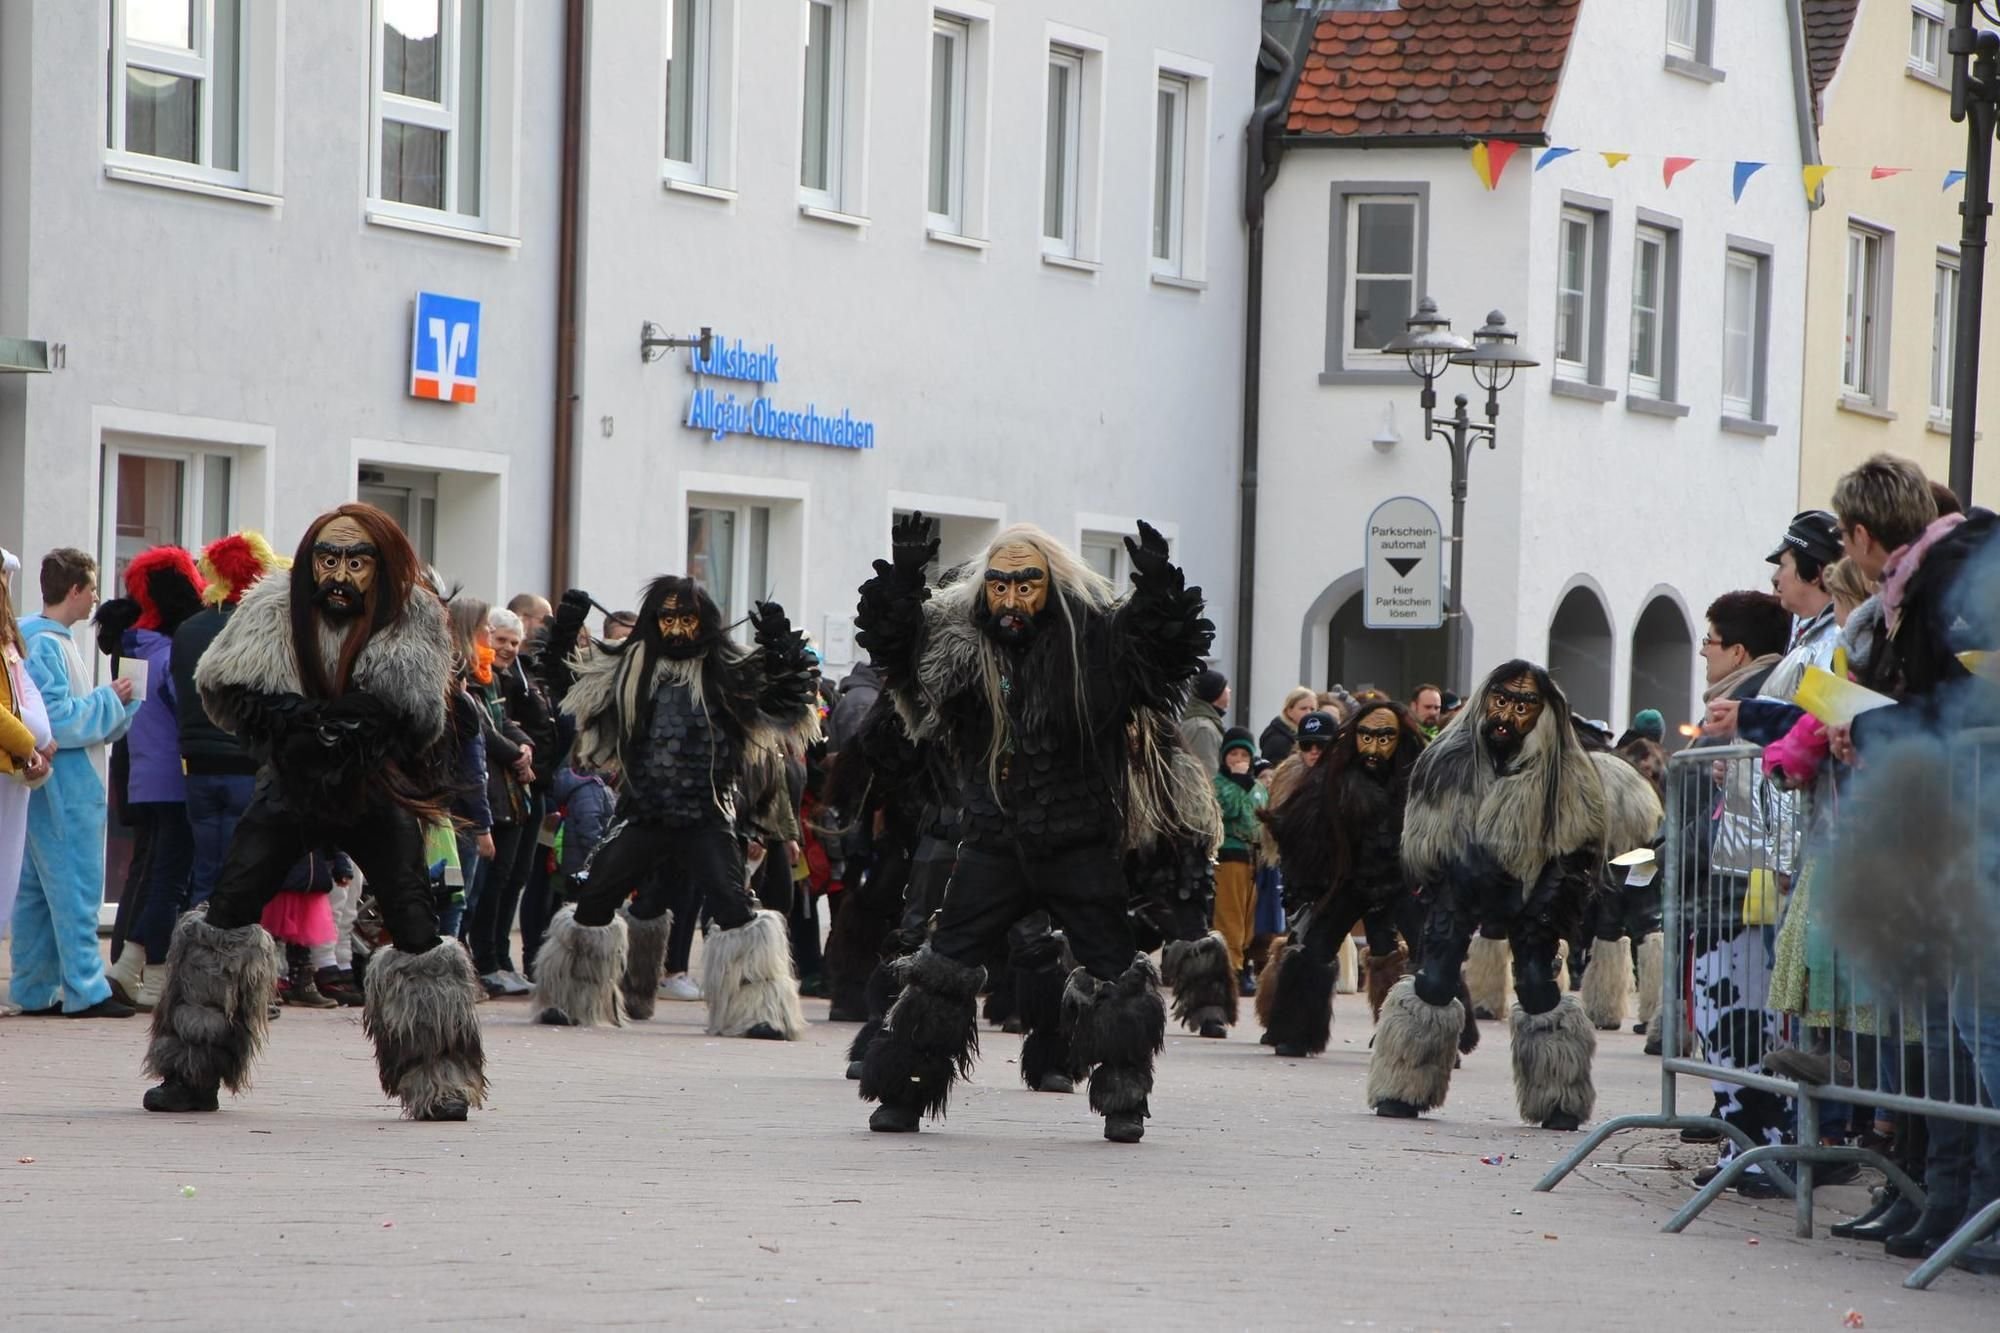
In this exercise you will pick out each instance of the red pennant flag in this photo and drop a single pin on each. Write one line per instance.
(1673, 167)
(1490, 158)
(1883, 173)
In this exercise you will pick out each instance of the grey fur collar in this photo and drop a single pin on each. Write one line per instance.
(607, 692)
(1632, 811)
(407, 667)
(1456, 799)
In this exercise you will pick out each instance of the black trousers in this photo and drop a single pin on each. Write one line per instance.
(668, 867)
(1082, 889)
(385, 841)
(930, 873)
(1336, 916)
(1553, 910)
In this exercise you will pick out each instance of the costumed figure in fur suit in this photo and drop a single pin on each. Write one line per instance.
(1339, 835)
(1504, 832)
(683, 714)
(1172, 883)
(1028, 674)
(336, 677)
(1628, 900)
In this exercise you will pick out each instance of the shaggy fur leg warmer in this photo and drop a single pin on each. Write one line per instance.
(746, 977)
(1489, 974)
(1652, 959)
(211, 1017)
(1204, 988)
(1040, 971)
(1384, 971)
(1002, 1008)
(420, 1009)
(1552, 1053)
(928, 1039)
(645, 953)
(881, 993)
(1347, 965)
(1302, 1012)
(1416, 1046)
(1607, 980)
(1267, 985)
(1116, 1028)
(577, 974)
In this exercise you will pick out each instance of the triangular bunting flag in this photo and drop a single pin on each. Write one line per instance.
(1614, 159)
(1883, 173)
(1490, 158)
(1551, 155)
(1814, 177)
(1744, 171)
(1673, 167)
(1952, 178)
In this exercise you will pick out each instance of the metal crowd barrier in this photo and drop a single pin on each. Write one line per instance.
(1754, 964)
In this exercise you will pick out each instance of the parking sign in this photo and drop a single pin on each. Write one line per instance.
(444, 349)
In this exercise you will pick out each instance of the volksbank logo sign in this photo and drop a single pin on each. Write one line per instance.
(723, 414)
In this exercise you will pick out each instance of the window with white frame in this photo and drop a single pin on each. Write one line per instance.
(1866, 325)
(1743, 316)
(824, 131)
(1655, 275)
(1170, 159)
(1577, 287)
(162, 496)
(175, 87)
(429, 143)
(729, 554)
(689, 73)
(1927, 27)
(1684, 28)
(1944, 335)
(951, 47)
(1381, 269)
(1105, 552)
(1062, 162)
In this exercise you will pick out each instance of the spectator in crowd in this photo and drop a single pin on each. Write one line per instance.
(471, 808)
(1881, 507)
(527, 706)
(1202, 720)
(1648, 724)
(619, 625)
(1427, 704)
(1336, 703)
(300, 918)
(164, 592)
(1282, 733)
(57, 967)
(531, 609)
(509, 773)
(1240, 796)
(858, 692)
(26, 745)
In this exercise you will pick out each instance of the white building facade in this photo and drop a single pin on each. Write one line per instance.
(1646, 465)
(979, 259)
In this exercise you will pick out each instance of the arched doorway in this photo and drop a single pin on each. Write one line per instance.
(1663, 661)
(1393, 660)
(1580, 652)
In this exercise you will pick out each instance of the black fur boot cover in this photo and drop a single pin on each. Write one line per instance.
(1302, 1010)
(1116, 1029)
(929, 1037)
(420, 1008)
(1041, 969)
(1204, 988)
(645, 955)
(211, 1017)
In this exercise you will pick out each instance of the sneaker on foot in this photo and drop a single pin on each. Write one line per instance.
(679, 986)
(516, 983)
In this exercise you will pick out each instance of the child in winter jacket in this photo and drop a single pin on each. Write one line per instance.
(1240, 796)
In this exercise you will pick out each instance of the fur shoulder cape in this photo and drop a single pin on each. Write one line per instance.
(1632, 812)
(1548, 803)
(407, 666)
(607, 694)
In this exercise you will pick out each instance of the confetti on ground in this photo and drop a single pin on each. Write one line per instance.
(387, 1225)
(25, 1161)
(1549, 1235)
(1753, 1240)
(187, 1191)
(1853, 1319)
(1496, 1159)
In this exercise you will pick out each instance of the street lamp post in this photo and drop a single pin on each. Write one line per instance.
(1975, 100)
(1428, 345)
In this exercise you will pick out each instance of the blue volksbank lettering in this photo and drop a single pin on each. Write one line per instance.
(723, 415)
(733, 361)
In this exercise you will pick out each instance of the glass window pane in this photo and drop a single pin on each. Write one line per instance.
(1101, 556)
(149, 511)
(412, 164)
(757, 583)
(712, 554)
(410, 48)
(942, 147)
(1163, 175)
(1380, 307)
(1386, 238)
(471, 110)
(161, 22)
(161, 113)
(682, 63)
(225, 51)
(215, 470)
(819, 85)
(1055, 204)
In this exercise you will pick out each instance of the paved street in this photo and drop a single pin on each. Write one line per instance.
(654, 1176)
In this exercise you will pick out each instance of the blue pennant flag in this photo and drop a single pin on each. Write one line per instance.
(1550, 155)
(1744, 171)
(1952, 178)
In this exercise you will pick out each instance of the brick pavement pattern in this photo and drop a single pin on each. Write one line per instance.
(656, 1177)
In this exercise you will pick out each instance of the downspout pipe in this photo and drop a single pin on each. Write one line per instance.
(562, 479)
(1260, 172)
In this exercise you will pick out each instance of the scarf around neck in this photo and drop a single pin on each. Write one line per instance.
(1727, 686)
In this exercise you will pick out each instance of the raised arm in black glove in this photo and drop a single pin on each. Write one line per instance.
(564, 629)
(889, 621)
(1163, 637)
(787, 692)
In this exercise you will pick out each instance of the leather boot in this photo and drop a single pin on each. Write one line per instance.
(1886, 1199)
(1930, 1230)
(128, 974)
(304, 990)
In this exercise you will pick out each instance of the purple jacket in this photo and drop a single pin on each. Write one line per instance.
(155, 739)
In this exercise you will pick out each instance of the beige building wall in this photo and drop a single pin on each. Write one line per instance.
(1879, 111)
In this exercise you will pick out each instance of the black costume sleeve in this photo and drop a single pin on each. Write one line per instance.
(565, 627)
(889, 621)
(786, 692)
(1161, 639)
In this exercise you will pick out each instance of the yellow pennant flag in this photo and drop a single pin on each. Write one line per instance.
(1614, 159)
(1813, 177)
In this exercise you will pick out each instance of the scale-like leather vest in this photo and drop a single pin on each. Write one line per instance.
(683, 768)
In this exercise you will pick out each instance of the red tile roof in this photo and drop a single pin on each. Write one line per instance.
(1828, 23)
(1477, 68)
